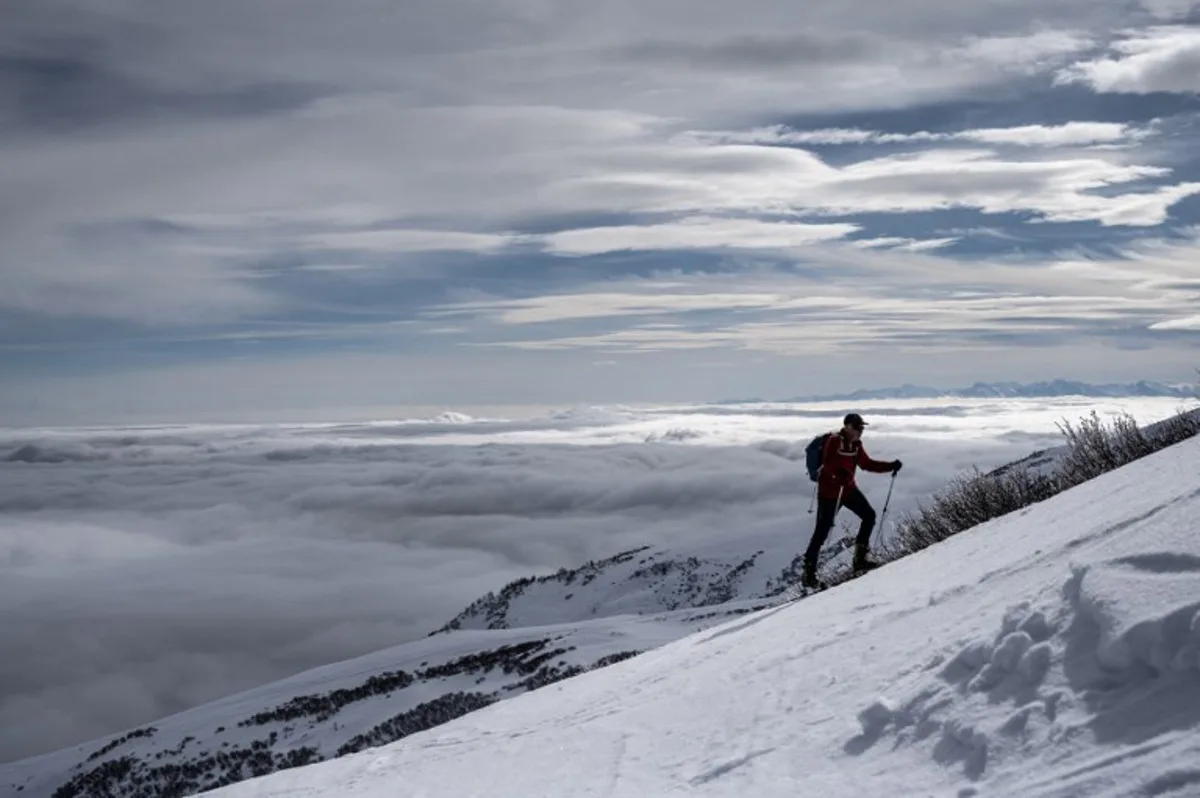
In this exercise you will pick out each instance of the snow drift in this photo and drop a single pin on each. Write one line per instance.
(1052, 652)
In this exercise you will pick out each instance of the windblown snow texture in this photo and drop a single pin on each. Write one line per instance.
(1054, 652)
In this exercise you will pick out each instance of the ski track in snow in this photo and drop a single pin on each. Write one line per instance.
(1052, 654)
(725, 767)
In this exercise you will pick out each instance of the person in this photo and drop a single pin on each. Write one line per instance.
(836, 488)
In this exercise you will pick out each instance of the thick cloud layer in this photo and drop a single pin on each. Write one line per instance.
(144, 570)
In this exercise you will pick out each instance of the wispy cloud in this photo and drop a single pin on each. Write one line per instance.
(1067, 297)
(644, 301)
(1144, 61)
(1186, 323)
(907, 244)
(400, 241)
(696, 233)
(1070, 134)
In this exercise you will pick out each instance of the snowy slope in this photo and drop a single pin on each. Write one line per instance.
(344, 707)
(741, 564)
(1052, 652)
(534, 632)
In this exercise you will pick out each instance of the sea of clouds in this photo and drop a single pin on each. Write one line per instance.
(145, 570)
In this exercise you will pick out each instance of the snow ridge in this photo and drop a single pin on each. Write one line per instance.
(645, 581)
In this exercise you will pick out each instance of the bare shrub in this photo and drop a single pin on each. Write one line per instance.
(1092, 449)
(1177, 428)
(970, 500)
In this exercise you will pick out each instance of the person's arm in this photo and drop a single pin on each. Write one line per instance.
(867, 463)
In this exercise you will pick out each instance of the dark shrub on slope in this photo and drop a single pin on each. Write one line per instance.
(1092, 448)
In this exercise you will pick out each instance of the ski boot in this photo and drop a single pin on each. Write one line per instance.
(808, 578)
(861, 564)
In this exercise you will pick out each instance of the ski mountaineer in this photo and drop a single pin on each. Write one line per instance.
(836, 488)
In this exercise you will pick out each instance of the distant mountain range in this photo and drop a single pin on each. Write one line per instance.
(1014, 390)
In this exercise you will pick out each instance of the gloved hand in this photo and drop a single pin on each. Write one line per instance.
(896, 466)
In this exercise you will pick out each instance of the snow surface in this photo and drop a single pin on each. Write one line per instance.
(319, 713)
(533, 633)
(1052, 652)
(756, 563)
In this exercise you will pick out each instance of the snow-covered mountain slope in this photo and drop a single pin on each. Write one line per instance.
(1051, 652)
(344, 707)
(532, 633)
(741, 564)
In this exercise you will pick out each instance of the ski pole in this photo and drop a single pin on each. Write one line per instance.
(812, 503)
(886, 501)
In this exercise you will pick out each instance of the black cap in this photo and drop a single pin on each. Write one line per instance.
(854, 420)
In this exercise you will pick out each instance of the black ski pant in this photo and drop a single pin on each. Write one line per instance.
(854, 501)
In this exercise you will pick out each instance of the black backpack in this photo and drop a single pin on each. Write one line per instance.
(812, 455)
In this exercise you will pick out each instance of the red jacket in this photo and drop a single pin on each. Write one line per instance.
(838, 463)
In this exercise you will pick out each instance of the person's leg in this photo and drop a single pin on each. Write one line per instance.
(857, 503)
(825, 512)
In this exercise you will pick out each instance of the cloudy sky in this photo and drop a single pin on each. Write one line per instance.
(227, 207)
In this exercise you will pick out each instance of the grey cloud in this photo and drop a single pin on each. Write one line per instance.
(231, 55)
(271, 124)
(67, 66)
(182, 47)
(1161, 59)
(762, 51)
(945, 186)
(131, 279)
(1183, 285)
(59, 88)
(1172, 10)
